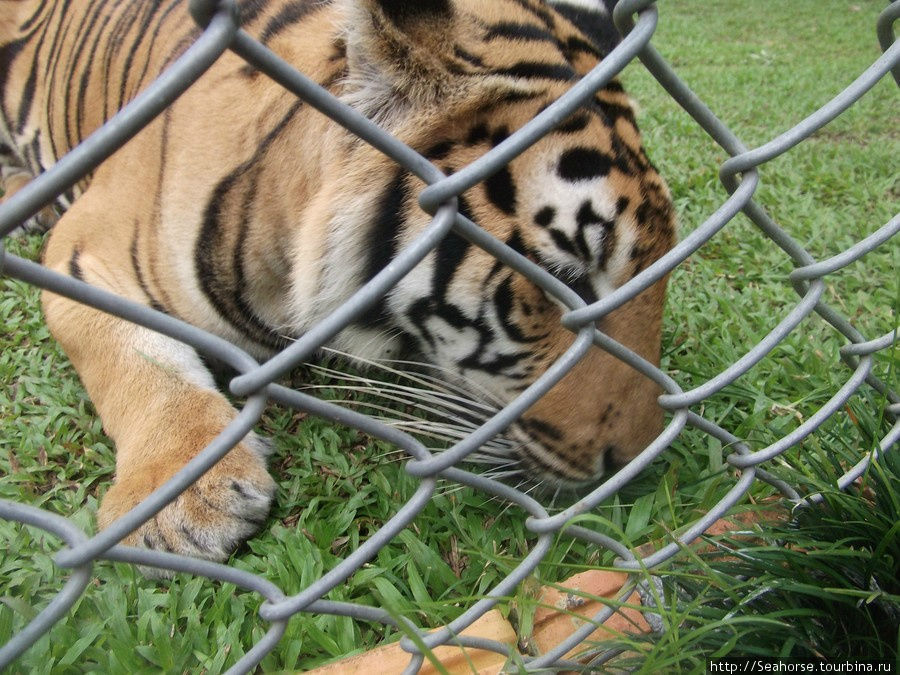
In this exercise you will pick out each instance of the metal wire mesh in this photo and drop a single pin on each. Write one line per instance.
(256, 382)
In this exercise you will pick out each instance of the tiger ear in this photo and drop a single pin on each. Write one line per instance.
(399, 54)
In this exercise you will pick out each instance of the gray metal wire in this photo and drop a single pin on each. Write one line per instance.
(739, 174)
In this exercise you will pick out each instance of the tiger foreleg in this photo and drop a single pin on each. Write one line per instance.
(157, 402)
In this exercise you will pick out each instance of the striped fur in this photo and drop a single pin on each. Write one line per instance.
(243, 211)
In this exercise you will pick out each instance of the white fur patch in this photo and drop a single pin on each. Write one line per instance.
(566, 198)
(171, 356)
(590, 5)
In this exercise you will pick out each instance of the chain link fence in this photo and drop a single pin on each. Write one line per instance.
(257, 382)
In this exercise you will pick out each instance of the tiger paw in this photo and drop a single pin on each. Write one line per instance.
(210, 519)
(13, 179)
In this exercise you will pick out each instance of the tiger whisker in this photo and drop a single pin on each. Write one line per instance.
(466, 392)
(429, 402)
(500, 475)
(555, 496)
(393, 412)
(436, 431)
(399, 418)
(498, 462)
(392, 455)
(373, 386)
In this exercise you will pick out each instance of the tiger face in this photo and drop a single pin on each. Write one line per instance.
(247, 213)
(584, 203)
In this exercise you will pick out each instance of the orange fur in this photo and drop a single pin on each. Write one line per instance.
(252, 216)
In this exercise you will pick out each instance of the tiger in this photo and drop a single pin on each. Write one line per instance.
(245, 212)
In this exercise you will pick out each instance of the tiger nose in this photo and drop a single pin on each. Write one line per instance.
(595, 420)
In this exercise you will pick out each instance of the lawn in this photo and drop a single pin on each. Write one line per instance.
(761, 67)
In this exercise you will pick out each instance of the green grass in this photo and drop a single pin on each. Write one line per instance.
(820, 585)
(761, 67)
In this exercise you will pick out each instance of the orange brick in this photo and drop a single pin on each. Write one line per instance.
(563, 612)
(391, 659)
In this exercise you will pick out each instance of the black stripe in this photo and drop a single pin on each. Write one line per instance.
(581, 244)
(503, 304)
(244, 314)
(542, 428)
(537, 461)
(33, 19)
(627, 160)
(613, 111)
(53, 50)
(75, 270)
(449, 255)
(338, 50)
(26, 100)
(609, 111)
(468, 57)
(193, 539)
(382, 238)
(439, 151)
(518, 31)
(448, 259)
(655, 213)
(381, 242)
(219, 269)
(585, 217)
(536, 70)
(8, 54)
(544, 217)
(477, 134)
(507, 97)
(149, 50)
(166, 546)
(597, 26)
(133, 50)
(500, 364)
(517, 244)
(501, 190)
(576, 122)
(499, 135)
(401, 12)
(33, 155)
(562, 242)
(584, 288)
(541, 12)
(139, 274)
(86, 69)
(250, 9)
(289, 15)
(113, 45)
(583, 164)
(75, 36)
(575, 45)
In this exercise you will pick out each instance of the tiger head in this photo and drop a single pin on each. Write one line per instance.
(452, 80)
